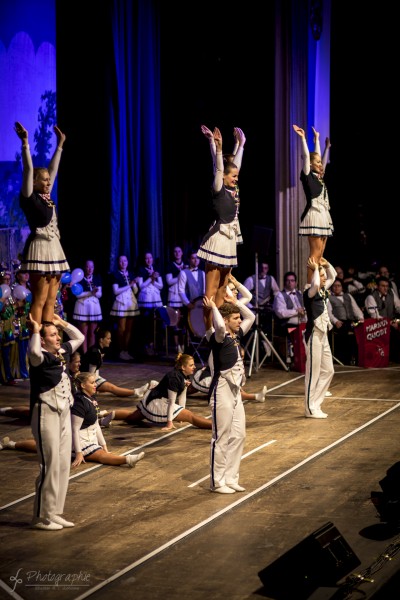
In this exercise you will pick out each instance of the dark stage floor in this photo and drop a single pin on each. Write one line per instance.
(156, 531)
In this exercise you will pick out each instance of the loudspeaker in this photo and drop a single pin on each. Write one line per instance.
(391, 483)
(321, 559)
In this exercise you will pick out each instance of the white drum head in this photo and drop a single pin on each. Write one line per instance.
(196, 318)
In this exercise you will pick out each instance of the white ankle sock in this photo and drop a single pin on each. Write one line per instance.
(142, 390)
(7, 443)
(259, 396)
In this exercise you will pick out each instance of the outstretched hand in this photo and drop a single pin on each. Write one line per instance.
(299, 131)
(323, 262)
(57, 320)
(239, 135)
(312, 263)
(61, 137)
(20, 130)
(316, 134)
(217, 135)
(233, 280)
(209, 302)
(35, 326)
(229, 299)
(207, 132)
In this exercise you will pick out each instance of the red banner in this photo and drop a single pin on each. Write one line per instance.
(373, 338)
(299, 349)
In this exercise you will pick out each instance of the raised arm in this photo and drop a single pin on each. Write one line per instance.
(76, 338)
(239, 145)
(330, 272)
(27, 165)
(236, 144)
(219, 170)
(305, 151)
(247, 315)
(315, 281)
(245, 294)
(325, 155)
(209, 135)
(317, 147)
(35, 347)
(215, 318)
(55, 160)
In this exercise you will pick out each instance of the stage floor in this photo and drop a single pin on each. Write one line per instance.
(156, 531)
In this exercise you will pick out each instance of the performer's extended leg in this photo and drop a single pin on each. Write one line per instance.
(216, 282)
(187, 416)
(50, 301)
(39, 286)
(317, 246)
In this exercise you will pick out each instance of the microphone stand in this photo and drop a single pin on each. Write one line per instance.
(258, 333)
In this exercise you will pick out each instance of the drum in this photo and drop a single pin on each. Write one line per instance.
(196, 319)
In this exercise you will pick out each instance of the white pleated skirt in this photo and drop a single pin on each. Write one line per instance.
(318, 221)
(157, 410)
(219, 245)
(87, 309)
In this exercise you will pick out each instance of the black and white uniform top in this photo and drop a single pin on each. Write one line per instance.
(42, 252)
(149, 290)
(316, 303)
(226, 360)
(166, 400)
(316, 219)
(125, 302)
(172, 277)
(87, 305)
(87, 436)
(91, 362)
(50, 382)
(219, 245)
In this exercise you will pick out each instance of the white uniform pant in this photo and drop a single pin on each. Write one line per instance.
(228, 434)
(52, 433)
(319, 369)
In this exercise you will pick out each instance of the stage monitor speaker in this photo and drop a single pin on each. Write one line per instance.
(261, 240)
(320, 560)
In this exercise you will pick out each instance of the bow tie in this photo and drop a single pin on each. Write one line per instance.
(194, 269)
(293, 293)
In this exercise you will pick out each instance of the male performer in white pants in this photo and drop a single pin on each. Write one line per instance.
(228, 416)
(51, 399)
(319, 362)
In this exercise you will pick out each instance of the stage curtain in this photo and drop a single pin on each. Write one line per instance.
(135, 132)
(302, 91)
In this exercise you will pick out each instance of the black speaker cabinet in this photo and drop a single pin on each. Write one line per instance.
(320, 560)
